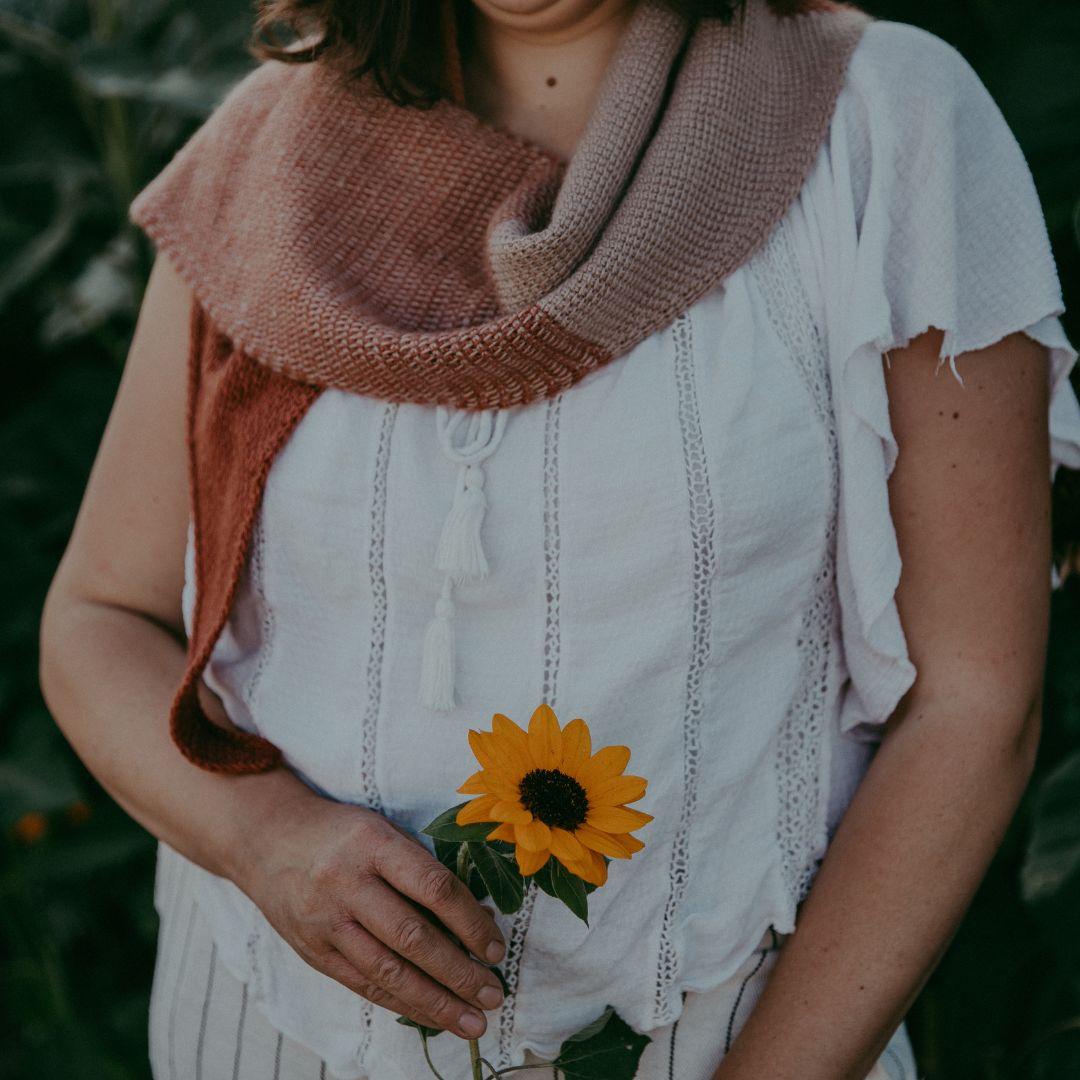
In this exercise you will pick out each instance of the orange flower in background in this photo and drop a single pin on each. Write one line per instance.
(31, 827)
(551, 795)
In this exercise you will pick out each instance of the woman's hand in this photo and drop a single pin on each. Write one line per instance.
(362, 901)
(354, 895)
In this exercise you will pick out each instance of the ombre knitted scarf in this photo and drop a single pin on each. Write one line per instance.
(334, 239)
(425, 255)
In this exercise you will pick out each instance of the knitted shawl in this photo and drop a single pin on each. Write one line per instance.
(333, 238)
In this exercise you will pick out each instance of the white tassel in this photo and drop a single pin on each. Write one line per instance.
(461, 552)
(437, 661)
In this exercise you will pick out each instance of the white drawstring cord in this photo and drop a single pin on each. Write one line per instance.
(460, 553)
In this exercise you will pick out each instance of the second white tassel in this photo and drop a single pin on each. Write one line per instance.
(437, 659)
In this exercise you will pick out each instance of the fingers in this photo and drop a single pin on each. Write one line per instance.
(366, 964)
(338, 966)
(409, 932)
(411, 869)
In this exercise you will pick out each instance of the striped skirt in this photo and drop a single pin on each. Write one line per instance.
(204, 1025)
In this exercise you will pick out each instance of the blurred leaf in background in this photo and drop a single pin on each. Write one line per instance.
(98, 95)
(97, 98)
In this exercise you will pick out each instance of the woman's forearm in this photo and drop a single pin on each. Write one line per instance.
(109, 675)
(899, 874)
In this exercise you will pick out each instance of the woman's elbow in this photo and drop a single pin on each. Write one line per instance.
(1026, 737)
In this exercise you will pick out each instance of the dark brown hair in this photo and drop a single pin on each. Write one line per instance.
(402, 43)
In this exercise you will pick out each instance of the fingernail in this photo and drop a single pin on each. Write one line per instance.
(490, 996)
(472, 1024)
(495, 952)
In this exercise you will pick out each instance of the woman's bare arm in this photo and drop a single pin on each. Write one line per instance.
(348, 889)
(971, 503)
(112, 635)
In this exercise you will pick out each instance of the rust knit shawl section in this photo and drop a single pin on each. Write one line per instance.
(239, 415)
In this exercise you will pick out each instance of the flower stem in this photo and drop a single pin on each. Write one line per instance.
(474, 1056)
(517, 1068)
(427, 1057)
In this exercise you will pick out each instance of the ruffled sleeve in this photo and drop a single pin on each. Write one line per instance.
(927, 216)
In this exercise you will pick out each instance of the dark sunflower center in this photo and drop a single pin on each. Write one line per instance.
(555, 798)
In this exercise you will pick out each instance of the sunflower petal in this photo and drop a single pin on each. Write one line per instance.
(485, 782)
(500, 759)
(475, 785)
(513, 762)
(512, 812)
(632, 843)
(565, 845)
(509, 771)
(506, 792)
(530, 861)
(580, 867)
(616, 819)
(545, 738)
(617, 790)
(605, 764)
(482, 748)
(535, 835)
(605, 843)
(576, 745)
(496, 783)
(513, 745)
(591, 868)
(505, 831)
(503, 726)
(600, 868)
(478, 809)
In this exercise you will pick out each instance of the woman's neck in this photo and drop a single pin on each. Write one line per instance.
(537, 73)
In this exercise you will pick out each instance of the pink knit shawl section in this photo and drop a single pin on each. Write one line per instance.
(426, 255)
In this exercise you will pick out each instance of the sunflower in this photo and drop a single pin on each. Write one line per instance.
(552, 796)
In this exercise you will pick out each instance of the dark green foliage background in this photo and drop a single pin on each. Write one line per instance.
(97, 94)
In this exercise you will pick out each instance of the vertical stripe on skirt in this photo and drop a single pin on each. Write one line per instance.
(203, 1025)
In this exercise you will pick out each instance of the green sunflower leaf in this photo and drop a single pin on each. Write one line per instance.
(594, 1027)
(558, 882)
(427, 1032)
(605, 1049)
(446, 851)
(542, 877)
(501, 876)
(444, 827)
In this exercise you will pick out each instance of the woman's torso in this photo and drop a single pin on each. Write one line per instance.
(661, 544)
(667, 560)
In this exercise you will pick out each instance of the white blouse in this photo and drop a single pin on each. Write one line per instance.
(691, 548)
